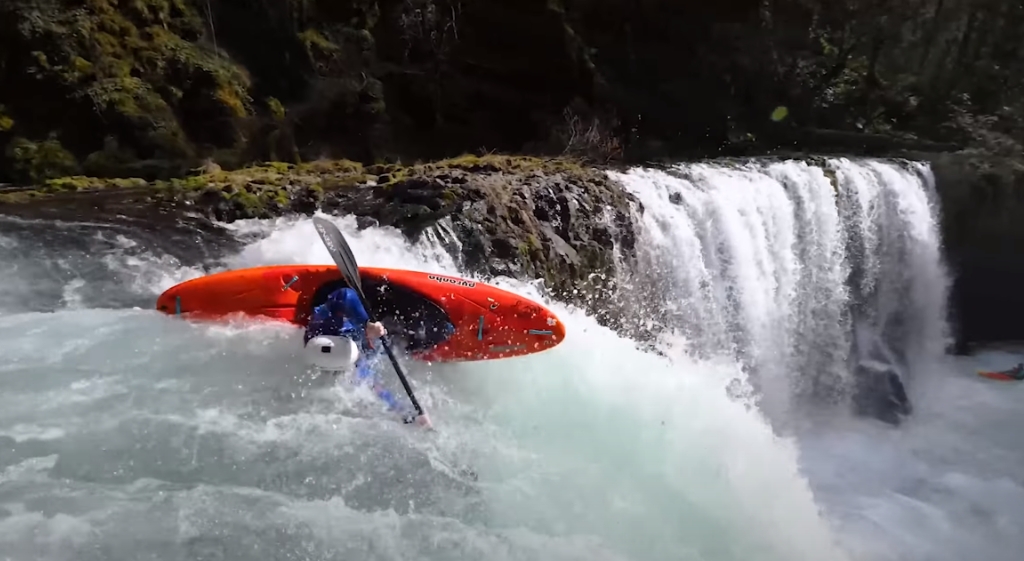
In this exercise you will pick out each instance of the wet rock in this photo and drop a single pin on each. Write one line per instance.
(522, 217)
(982, 202)
(879, 393)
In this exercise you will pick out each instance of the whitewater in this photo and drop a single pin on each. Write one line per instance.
(129, 434)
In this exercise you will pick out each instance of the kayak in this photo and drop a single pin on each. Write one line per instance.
(489, 323)
(1005, 375)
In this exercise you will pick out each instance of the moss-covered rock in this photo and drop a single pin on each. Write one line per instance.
(36, 162)
(524, 217)
(140, 73)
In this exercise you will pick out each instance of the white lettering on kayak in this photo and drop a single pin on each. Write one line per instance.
(456, 282)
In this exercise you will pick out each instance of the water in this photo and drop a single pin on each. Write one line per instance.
(125, 434)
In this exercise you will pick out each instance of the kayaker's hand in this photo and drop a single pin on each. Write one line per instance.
(421, 420)
(375, 330)
(424, 421)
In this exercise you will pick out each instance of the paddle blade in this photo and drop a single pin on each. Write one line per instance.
(340, 252)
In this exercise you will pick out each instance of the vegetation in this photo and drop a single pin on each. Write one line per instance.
(155, 88)
(276, 182)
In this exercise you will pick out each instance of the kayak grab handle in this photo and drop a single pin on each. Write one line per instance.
(540, 332)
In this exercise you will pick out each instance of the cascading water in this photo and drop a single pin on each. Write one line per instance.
(126, 433)
(797, 271)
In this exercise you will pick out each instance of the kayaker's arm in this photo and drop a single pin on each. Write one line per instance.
(357, 313)
(353, 308)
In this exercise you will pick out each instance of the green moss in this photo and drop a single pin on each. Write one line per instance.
(281, 167)
(194, 183)
(276, 108)
(524, 250)
(36, 162)
(510, 164)
(83, 183)
(397, 174)
(71, 184)
(128, 62)
(330, 167)
(316, 44)
(264, 190)
(248, 201)
(6, 121)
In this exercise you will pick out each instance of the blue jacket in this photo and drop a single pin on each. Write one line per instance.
(342, 314)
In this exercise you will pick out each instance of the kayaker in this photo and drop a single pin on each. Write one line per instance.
(343, 315)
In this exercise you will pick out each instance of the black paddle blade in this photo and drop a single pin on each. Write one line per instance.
(340, 252)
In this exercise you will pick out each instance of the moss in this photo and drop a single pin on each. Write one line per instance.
(35, 162)
(316, 44)
(71, 184)
(83, 183)
(524, 250)
(276, 108)
(194, 183)
(511, 164)
(249, 201)
(6, 121)
(269, 188)
(397, 174)
(132, 71)
(330, 167)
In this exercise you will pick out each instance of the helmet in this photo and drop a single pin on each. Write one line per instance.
(331, 352)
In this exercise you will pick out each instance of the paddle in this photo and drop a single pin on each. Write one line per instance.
(346, 261)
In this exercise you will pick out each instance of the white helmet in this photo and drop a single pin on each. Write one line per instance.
(331, 352)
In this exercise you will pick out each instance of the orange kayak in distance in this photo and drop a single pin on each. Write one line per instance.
(490, 323)
(1010, 375)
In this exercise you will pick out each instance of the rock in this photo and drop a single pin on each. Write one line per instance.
(559, 247)
(515, 216)
(522, 225)
(982, 201)
(364, 222)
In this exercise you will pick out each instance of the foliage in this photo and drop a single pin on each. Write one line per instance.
(154, 87)
(36, 162)
(940, 69)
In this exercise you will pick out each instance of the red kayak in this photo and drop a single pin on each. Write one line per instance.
(1015, 374)
(489, 322)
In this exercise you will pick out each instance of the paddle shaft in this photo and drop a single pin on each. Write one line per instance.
(391, 355)
(346, 262)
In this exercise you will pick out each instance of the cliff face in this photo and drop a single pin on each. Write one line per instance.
(153, 87)
(982, 200)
